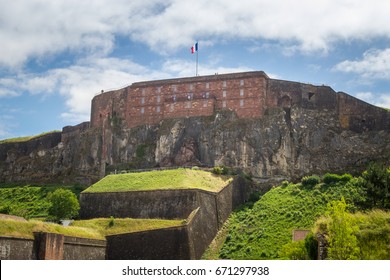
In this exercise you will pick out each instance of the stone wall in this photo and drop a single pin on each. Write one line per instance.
(205, 213)
(51, 246)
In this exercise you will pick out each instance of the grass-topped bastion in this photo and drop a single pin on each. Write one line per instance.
(177, 179)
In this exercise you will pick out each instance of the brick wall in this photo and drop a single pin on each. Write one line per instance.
(150, 102)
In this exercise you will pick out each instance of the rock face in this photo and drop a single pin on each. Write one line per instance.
(302, 130)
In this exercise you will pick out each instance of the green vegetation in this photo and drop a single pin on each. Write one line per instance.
(27, 228)
(263, 229)
(342, 242)
(260, 230)
(64, 204)
(29, 201)
(157, 180)
(95, 228)
(110, 226)
(368, 232)
(26, 138)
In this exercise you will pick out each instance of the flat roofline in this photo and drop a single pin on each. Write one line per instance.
(198, 79)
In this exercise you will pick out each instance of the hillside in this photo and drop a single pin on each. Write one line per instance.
(158, 180)
(260, 230)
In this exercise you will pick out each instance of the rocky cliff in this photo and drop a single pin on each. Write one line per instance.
(289, 140)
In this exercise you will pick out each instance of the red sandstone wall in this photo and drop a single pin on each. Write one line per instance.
(150, 102)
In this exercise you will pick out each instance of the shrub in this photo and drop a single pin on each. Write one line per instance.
(330, 178)
(217, 170)
(310, 181)
(64, 204)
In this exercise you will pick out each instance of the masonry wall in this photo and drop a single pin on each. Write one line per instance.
(50, 246)
(13, 248)
(163, 204)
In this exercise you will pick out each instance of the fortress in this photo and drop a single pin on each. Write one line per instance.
(248, 94)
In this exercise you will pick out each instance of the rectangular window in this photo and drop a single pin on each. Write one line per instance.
(174, 88)
(224, 84)
(143, 100)
(241, 92)
(158, 98)
(171, 108)
(190, 96)
(207, 85)
(224, 104)
(241, 102)
(143, 92)
(241, 82)
(142, 110)
(205, 103)
(174, 98)
(191, 86)
(158, 109)
(224, 93)
(158, 89)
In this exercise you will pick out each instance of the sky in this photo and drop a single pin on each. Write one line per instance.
(55, 56)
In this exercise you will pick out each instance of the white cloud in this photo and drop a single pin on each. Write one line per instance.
(375, 64)
(380, 100)
(36, 28)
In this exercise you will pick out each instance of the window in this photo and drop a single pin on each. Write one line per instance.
(158, 98)
(224, 93)
(206, 95)
(224, 104)
(174, 98)
(191, 86)
(241, 82)
(142, 110)
(158, 109)
(241, 102)
(207, 85)
(241, 92)
(143, 100)
(224, 84)
(174, 88)
(205, 103)
(171, 108)
(143, 92)
(158, 89)
(190, 96)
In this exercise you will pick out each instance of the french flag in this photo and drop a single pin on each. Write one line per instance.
(194, 48)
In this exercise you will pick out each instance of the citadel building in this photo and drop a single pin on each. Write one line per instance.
(248, 94)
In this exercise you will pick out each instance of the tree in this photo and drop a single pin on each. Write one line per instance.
(377, 186)
(343, 243)
(64, 204)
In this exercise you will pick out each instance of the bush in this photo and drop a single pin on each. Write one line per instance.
(330, 178)
(217, 170)
(64, 204)
(310, 181)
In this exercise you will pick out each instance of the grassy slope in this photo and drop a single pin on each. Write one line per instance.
(373, 233)
(95, 228)
(157, 180)
(260, 231)
(26, 138)
(28, 201)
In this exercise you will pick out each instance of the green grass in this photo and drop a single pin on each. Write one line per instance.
(27, 228)
(158, 180)
(260, 230)
(94, 228)
(26, 138)
(107, 226)
(28, 201)
(373, 233)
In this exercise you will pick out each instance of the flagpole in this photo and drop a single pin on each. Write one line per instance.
(197, 62)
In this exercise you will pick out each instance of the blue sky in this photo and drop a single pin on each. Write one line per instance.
(56, 55)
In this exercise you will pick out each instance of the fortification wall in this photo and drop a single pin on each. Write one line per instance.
(159, 204)
(50, 246)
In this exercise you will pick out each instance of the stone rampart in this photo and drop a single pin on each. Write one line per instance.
(51, 246)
